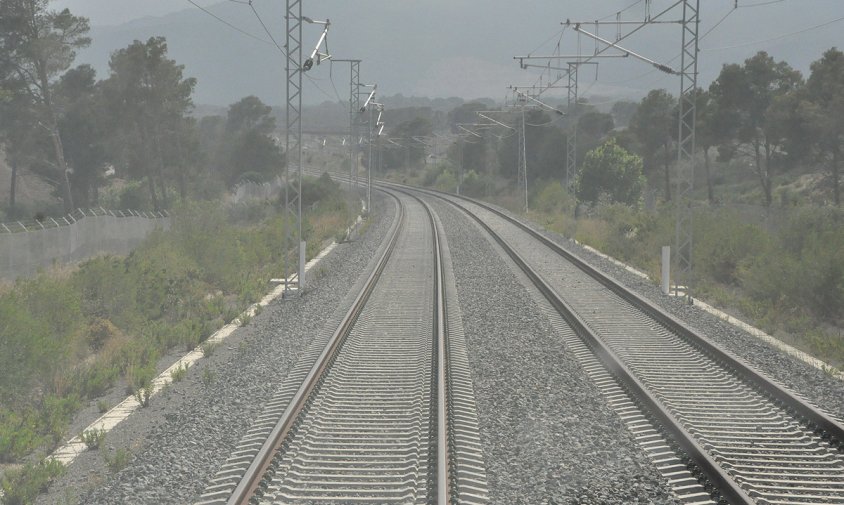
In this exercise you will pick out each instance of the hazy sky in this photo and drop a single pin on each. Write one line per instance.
(112, 12)
(466, 47)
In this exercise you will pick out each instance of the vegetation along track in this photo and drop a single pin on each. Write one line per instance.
(386, 412)
(747, 438)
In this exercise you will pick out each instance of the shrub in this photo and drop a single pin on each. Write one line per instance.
(208, 349)
(473, 185)
(93, 439)
(22, 486)
(103, 406)
(446, 181)
(143, 395)
(72, 336)
(208, 376)
(18, 434)
(100, 331)
(179, 372)
(552, 197)
(98, 378)
(723, 243)
(117, 461)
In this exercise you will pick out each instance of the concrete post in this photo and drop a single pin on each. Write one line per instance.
(302, 248)
(666, 269)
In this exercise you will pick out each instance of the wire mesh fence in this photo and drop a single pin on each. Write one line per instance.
(27, 246)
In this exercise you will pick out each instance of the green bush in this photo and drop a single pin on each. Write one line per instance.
(98, 378)
(117, 461)
(208, 349)
(179, 373)
(101, 331)
(22, 486)
(73, 336)
(473, 184)
(18, 434)
(723, 243)
(803, 271)
(93, 439)
(553, 198)
(446, 181)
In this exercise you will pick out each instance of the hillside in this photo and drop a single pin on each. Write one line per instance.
(446, 49)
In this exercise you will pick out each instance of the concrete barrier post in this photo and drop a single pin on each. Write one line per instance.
(302, 249)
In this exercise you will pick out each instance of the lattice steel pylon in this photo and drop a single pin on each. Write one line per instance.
(354, 106)
(571, 138)
(293, 143)
(686, 148)
(295, 66)
(522, 175)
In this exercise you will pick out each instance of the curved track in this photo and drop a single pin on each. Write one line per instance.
(386, 413)
(754, 441)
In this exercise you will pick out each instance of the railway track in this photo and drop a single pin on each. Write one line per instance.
(386, 412)
(748, 439)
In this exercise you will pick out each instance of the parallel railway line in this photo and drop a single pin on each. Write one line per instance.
(386, 413)
(752, 440)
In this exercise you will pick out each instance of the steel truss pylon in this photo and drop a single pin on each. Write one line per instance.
(522, 175)
(293, 146)
(354, 106)
(571, 138)
(686, 148)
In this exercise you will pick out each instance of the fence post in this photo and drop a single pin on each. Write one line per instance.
(666, 269)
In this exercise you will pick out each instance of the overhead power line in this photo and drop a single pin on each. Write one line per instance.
(264, 26)
(233, 27)
(778, 37)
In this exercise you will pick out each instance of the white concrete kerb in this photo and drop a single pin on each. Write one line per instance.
(756, 332)
(67, 453)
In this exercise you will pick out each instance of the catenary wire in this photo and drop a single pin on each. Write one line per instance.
(233, 27)
(634, 4)
(779, 37)
(264, 26)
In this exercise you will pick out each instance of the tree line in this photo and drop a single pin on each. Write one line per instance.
(761, 112)
(69, 128)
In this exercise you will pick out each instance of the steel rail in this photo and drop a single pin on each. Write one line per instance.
(252, 479)
(443, 482)
(728, 488)
(828, 427)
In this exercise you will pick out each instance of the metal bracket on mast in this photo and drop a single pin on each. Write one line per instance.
(688, 73)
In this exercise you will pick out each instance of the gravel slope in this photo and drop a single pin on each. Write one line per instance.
(547, 436)
(187, 432)
(817, 387)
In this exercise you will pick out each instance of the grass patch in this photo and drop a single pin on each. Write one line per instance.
(118, 460)
(72, 335)
(208, 349)
(179, 373)
(787, 279)
(21, 486)
(208, 376)
(93, 439)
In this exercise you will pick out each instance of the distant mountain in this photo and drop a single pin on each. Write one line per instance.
(442, 48)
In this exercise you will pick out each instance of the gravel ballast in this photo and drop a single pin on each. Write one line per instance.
(548, 436)
(181, 439)
(810, 383)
